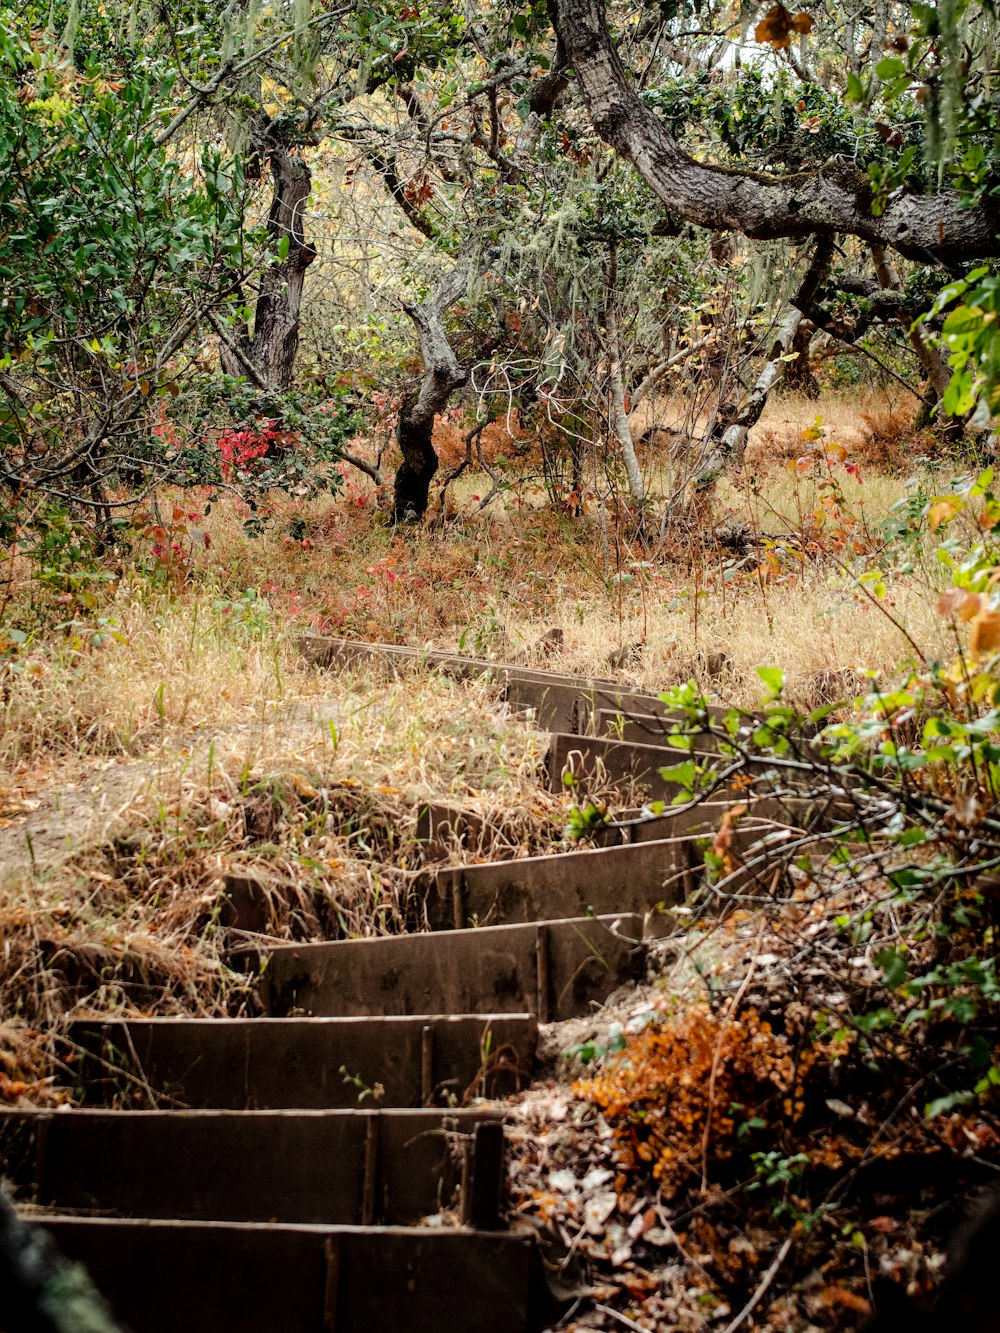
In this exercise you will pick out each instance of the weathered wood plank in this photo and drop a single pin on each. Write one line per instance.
(242, 1166)
(271, 1063)
(595, 882)
(494, 969)
(562, 702)
(164, 1276)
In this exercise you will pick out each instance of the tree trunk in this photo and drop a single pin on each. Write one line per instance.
(729, 447)
(799, 377)
(619, 416)
(279, 303)
(272, 349)
(442, 376)
(416, 472)
(733, 441)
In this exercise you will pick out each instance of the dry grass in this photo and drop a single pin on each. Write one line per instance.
(196, 744)
(492, 584)
(116, 884)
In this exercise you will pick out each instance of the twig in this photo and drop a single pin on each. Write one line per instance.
(622, 1318)
(766, 1281)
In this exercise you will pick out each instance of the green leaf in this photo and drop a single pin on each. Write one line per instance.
(685, 774)
(894, 969)
(773, 678)
(284, 245)
(941, 1105)
(890, 68)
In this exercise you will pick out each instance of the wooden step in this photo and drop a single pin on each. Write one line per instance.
(583, 761)
(580, 761)
(583, 704)
(441, 827)
(347, 1167)
(595, 882)
(657, 728)
(560, 702)
(273, 1063)
(554, 969)
(757, 814)
(211, 1277)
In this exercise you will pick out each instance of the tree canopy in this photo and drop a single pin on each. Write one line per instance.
(532, 189)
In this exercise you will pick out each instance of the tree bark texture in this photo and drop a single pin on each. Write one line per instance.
(442, 376)
(799, 377)
(731, 445)
(729, 449)
(277, 318)
(836, 198)
(619, 417)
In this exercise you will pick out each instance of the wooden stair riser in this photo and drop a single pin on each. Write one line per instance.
(275, 1063)
(163, 1277)
(337, 1167)
(556, 970)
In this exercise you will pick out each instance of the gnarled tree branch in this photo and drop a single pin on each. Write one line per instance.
(443, 374)
(837, 198)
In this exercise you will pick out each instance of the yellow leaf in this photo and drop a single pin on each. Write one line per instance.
(984, 632)
(940, 512)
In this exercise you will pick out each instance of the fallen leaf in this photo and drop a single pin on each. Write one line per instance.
(563, 1182)
(597, 1210)
(593, 1180)
(642, 1223)
(831, 1296)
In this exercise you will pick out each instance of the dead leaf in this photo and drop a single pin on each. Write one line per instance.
(642, 1223)
(775, 29)
(984, 633)
(966, 810)
(563, 1182)
(303, 787)
(840, 1108)
(831, 1296)
(11, 1089)
(959, 602)
(597, 1210)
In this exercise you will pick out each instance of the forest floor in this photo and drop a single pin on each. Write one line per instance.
(159, 730)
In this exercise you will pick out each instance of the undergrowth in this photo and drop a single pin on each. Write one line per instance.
(315, 804)
(817, 1074)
